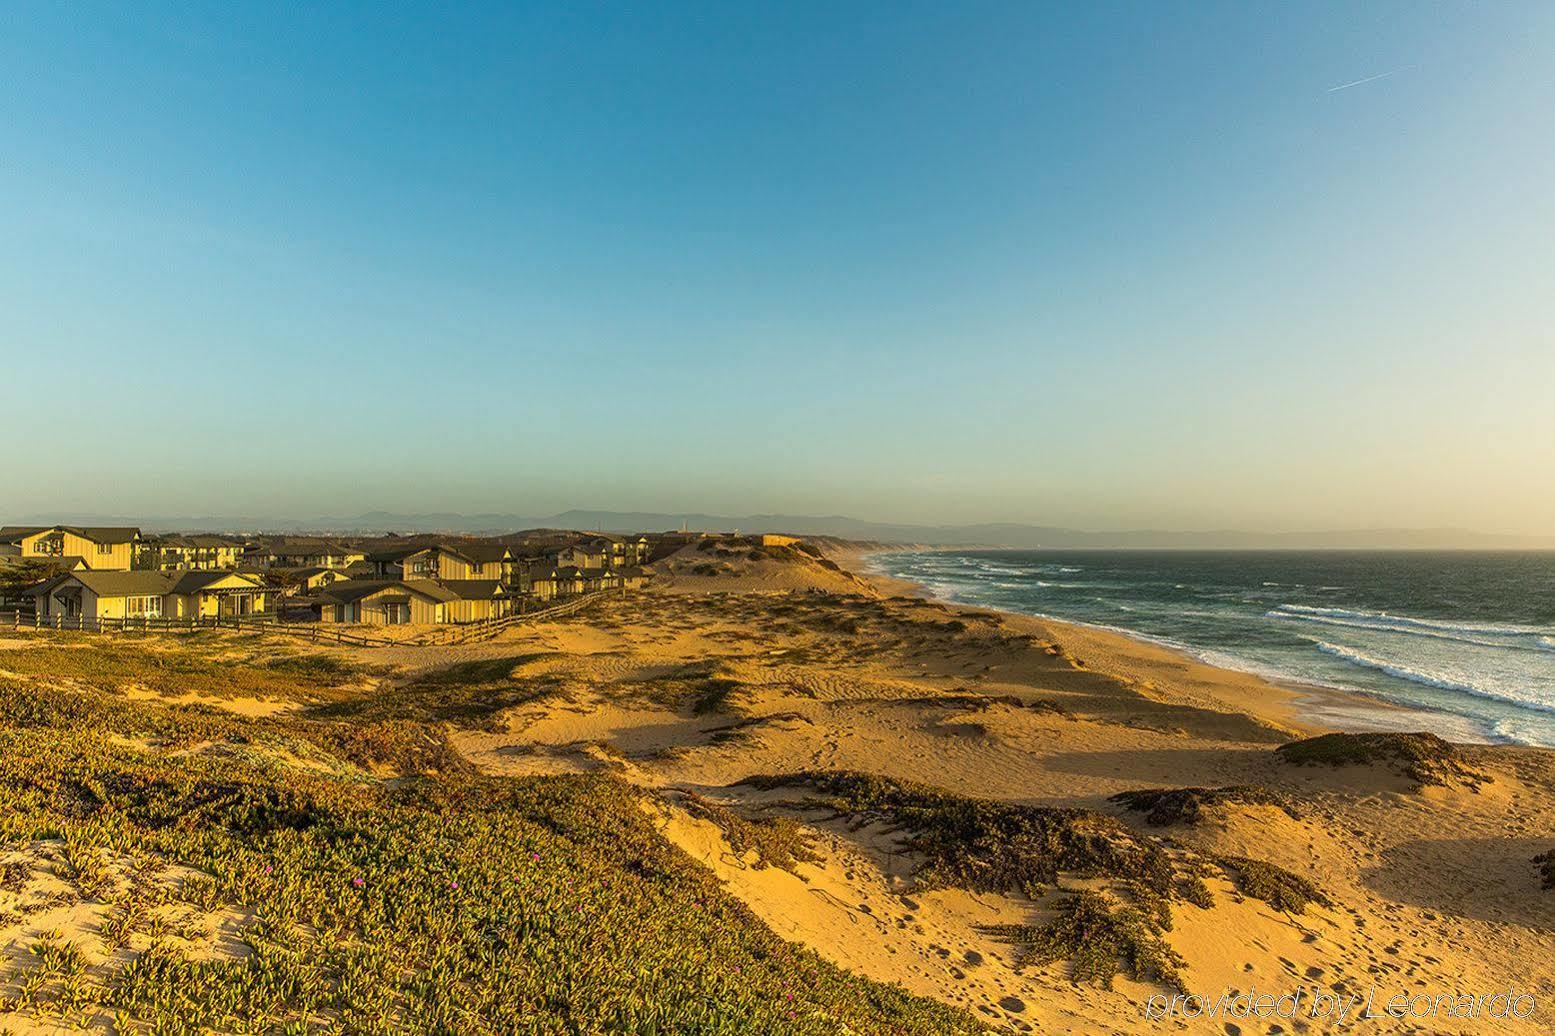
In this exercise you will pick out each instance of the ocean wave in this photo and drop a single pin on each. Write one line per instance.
(1526, 638)
(1443, 681)
(1518, 732)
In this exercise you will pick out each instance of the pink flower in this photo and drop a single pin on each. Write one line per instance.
(358, 882)
(453, 884)
(269, 869)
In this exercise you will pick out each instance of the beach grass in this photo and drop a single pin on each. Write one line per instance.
(382, 886)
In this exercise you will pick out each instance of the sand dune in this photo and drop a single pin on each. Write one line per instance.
(692, 692)
(777, 664)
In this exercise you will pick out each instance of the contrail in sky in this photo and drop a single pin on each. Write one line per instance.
(1371, 79)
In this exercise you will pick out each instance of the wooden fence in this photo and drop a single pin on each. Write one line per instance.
(314, 632)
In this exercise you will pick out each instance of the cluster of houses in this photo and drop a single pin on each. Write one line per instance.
(100, 572)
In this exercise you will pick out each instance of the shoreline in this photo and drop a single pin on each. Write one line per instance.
(1306, 709)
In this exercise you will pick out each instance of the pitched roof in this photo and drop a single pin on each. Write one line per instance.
(95, 533)
(485, 553)
(64, 561)
(344, 591)
(348, 590)
(475, 589)
(394, 553)
(144, 583)
(199, 540)
(47, 586)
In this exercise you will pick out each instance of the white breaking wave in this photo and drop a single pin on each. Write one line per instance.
(1519, 733)
(1526, 638)
(1447, 682)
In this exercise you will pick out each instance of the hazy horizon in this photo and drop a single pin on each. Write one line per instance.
(1127, 267)
(1017, 536)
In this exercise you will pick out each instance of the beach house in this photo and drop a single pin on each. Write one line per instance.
(302, 553)
(380, 602)
(201, 552)
(150, 594)
(100, 548)
(584, 555)
(490, 561)
(422, 562)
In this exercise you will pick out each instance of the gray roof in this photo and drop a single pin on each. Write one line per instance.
(95, 533)
(348, 590)
(344, 591)
(475, 589)
(394, 553)
(199, 540)
(150, 583)
(484, 552)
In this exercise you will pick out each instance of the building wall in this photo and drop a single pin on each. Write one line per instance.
(372, 610)
(579, 558)
(473, 611)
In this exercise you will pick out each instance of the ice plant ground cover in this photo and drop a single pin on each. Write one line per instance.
(301, 872)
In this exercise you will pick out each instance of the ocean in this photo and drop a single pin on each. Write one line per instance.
(1469, 636)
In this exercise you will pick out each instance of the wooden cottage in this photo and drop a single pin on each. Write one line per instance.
(204, 553)
(392, 602)
(100, 548)
(151, 595)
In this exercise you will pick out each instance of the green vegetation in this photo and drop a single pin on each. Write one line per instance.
(1099, 939)
(1006, 847)
(437, 901)
(773, 841)
(989, 846)
(1425, 758)
(1274, 885)
(470, 694)
(174, 669)
(1167, 806)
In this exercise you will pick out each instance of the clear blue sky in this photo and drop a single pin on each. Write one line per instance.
(1108, 265)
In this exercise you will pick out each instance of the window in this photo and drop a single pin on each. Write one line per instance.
(105, 548)
(142, 607)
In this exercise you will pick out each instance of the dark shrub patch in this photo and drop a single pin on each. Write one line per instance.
(1546, 862)
(1167, 806)
(1274, 885)
(1423, 757)
(1099, 940)
(992, 846)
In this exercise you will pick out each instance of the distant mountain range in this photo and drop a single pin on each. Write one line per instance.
(988, 535)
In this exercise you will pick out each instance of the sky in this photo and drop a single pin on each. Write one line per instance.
(1270, 267)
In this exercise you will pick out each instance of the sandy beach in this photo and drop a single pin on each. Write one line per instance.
(732, 690)
(827, 668)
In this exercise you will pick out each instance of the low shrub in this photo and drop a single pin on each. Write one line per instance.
(1424, 757)
(1546, 862)
(1167, 806)
(1274, 885)
(1099, 939)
